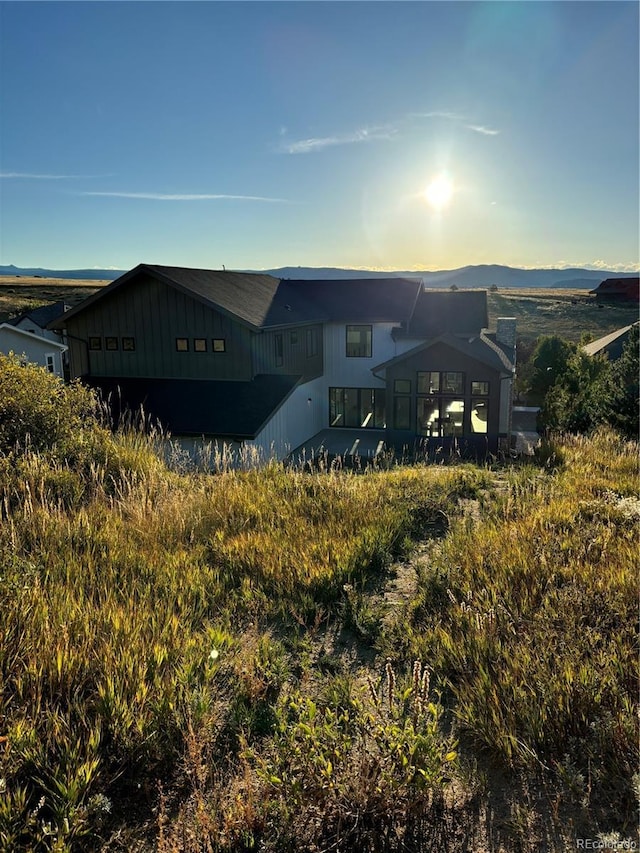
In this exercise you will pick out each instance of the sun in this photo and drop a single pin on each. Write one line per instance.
(439, 192)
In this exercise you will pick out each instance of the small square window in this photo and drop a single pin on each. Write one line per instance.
(200, 344)
(128, 344)
(182, 344)
(481, 388)
(111, 343)
(219, 345)
(402, 386)
(95, 343)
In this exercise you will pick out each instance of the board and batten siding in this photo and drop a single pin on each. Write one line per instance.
(295, 358)
(344, 372)
(155, 315)
(438, 358)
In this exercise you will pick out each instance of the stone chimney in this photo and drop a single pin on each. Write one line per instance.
(506, 332)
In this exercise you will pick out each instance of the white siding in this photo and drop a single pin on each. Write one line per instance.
(302, 415)
(29, 326)
(34, 348)
(343, 372)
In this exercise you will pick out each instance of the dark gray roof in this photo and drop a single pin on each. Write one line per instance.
(246, 296)
(479, 347)
(458, 311)
(262, 301)
(364, 300)
(43, 315)
(198, 406)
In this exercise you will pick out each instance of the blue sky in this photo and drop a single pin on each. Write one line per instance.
(258, 135)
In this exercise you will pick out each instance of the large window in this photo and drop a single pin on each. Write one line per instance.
(479, 407)
(438, 417)
(359, 341)
(402, 413)
(360, 408)
(440, 403)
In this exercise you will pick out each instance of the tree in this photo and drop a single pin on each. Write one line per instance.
(621, 398)
(593, 390)
(549, 362)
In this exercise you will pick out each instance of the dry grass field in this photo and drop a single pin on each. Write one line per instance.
(539, 311)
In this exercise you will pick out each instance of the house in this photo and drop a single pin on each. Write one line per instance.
(618, 290)
(33, 348)
(610, 345)
(37, 320)
(291, 366)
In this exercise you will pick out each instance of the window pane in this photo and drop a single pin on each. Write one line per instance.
(479, 388)
(279, 350)
(200, 344)
(128, 344)
(182, 344)
(351, 407)
(402, 386)
(452, 417)
(453, 383)
(336, 407)
(366, 407)
(358, 341)
(219, 345)
(428, 382)
(95, 343)
(293, 338)
(479, 416)
(428, 417)
(111, 343)
(402, 412)
(379, 409)
(312, 343)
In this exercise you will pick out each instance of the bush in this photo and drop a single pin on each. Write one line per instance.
(37, 409)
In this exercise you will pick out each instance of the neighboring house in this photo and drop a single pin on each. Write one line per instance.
(610, 345)
(618, 290)
(288, 365)
(37, 320)
(33, 347)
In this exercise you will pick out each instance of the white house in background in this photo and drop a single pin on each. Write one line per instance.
(33, 347)
(36, 321)
(286, 366)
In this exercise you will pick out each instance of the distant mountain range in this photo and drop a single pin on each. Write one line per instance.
(482, 275)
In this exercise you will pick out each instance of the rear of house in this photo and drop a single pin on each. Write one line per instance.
(280, 365)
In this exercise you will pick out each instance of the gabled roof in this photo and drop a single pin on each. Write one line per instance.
(245, 296)
(479, 347)
(43, 315)
(601, 344)
(232, 409)
(8, 330)
(261, 301)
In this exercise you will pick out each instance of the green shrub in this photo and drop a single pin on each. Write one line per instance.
(38, 411)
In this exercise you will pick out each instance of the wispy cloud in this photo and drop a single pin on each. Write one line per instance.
(31, 176)
(365, 134)
(480, 128)
(460, 119)
(184, 196)
(376, 132)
